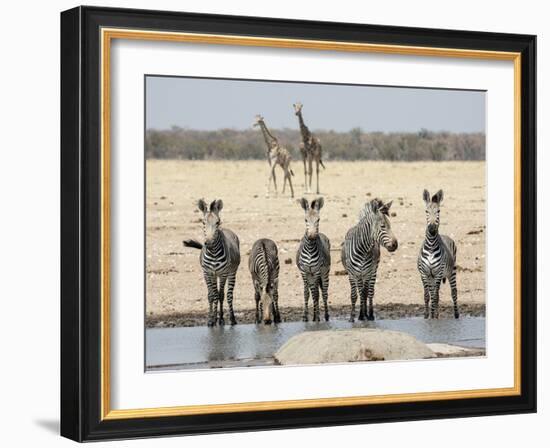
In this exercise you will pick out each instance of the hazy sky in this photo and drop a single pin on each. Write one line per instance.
(208, 104)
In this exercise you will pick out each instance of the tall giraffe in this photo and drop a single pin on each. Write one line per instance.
(276, 155)
(310, 148)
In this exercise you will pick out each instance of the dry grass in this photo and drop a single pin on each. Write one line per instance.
(174, 280)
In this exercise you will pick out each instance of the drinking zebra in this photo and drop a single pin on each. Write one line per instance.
(264, 268)
(361, 254)
(437, 259)
(313, 259)
(220, 257)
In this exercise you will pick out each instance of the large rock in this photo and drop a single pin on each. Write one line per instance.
(358, 344)
(455, 351)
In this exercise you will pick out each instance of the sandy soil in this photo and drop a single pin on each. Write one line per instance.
(176, 293)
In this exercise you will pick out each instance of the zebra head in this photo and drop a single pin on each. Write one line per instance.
(312, 216)
(432, 210)
(266, 299)
(210, 218)
(381, 226)
(297, 107)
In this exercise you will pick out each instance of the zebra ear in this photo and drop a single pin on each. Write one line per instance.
(385, 208)
(426, 196)
(317, 204)
(202, 206)
(438, 197)
(305, 205)
(216, 206)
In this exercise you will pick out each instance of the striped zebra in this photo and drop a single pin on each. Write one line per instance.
(313, 259)
(220, 258)
(437, 259)
(264, 268)
(361, 254)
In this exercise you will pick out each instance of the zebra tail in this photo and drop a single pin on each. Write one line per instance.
(322, 164)
(192, 243)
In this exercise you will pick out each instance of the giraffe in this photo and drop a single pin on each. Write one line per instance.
(276, 155)
(311, 150)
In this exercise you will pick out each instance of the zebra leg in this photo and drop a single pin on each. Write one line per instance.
(370, 296)
(435, 299)
(315, 297)
(212, 299)
(363, 306)
(426, 299)
(324, 291)
(306, 298)
(230, 286)
(354, 288)
(221, 291)
(276, 314)
(454, 293)
(257, 299)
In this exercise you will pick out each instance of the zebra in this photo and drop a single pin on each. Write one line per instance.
(313, 259)
(264, 268)
(220, 258)
(360, 254)
(437, 259)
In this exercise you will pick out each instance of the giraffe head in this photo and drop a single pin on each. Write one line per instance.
(432, 210)
(312, 216)
(210, 218)
(298, 108)
(259, 120)
(381, 227)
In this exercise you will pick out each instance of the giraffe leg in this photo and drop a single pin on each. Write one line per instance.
(230, 286)
(289, 176)
(317, 168)
(273, 175)
(284, 179)
(221, 291)
(305, 175)
(353, 286)
(306, 298)
(212, 299)
(454, 294)
(309, 172)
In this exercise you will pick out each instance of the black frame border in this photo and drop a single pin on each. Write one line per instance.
(81, 223)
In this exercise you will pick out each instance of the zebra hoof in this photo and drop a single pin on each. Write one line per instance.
(221, 321)
(233, 321)
(361, 317)
(351, 319)
(370, 317)
(457, 315)
(305, 319)
(327, 317)
(211, 323)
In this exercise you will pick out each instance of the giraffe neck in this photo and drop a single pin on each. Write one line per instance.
(269, 139)
(303, 128)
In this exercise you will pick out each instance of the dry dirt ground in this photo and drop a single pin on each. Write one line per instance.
(175, 289)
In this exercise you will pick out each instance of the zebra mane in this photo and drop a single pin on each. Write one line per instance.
(369, 208)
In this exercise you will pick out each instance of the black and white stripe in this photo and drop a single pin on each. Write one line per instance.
(437, 259)
(313, 259)
(264, 269)
(361, 254)
(219, 259)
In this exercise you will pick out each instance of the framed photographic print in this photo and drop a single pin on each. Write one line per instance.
(273, 223)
